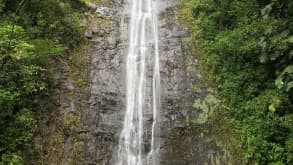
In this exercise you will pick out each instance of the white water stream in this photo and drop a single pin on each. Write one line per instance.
(143, 51)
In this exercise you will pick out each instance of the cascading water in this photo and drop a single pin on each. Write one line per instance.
(143, 52)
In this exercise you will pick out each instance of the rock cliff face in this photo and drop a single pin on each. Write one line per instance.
(104, 115)
(102, 104)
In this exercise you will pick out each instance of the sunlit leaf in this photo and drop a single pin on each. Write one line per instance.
(289, 86)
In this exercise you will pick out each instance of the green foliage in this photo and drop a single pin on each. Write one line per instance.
(32, 33)
(1, 5)
(11, 159)
(248, 47)
(207, 106)
(285, 80)
(51, 19)
(22, 79)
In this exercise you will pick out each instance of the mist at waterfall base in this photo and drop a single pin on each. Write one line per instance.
(143, 87)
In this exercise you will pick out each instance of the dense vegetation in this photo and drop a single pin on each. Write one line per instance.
(246, 43)
(32, 34)
(248, 46)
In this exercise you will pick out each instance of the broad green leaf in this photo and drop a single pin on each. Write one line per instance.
(272, 108)
(263, 58)
(279, 82)
(289, 86)
(289, 69)
(290, 39)
(266, 10)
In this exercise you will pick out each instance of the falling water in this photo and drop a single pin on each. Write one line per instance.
(143, 52)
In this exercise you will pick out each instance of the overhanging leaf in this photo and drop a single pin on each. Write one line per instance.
(288, 69)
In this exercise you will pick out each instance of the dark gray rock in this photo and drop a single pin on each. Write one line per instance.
(104, 111)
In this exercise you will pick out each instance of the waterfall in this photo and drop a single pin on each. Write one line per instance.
(143, 52)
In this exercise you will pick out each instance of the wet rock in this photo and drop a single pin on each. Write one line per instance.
(88, 34)
(104, 110)
(103, 12)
